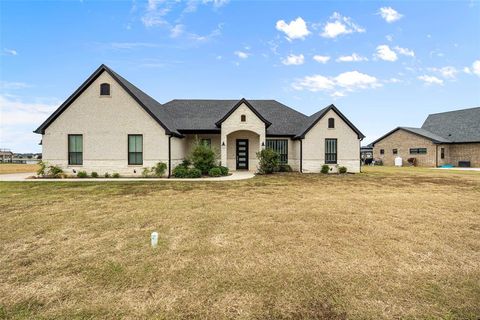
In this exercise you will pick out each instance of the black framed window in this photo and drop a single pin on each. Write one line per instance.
(243, 118)
(135, 149)
(395, 151)
(382, 151)
(330, 150)
(280, 146)
(75, 149)
(331, 123)
(206, 142)
(442, 153)
(105, 89)
(418, 151)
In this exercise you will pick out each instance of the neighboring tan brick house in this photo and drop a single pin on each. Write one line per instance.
(110, 125)
(445, 138)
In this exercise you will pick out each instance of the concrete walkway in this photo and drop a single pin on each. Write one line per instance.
(236, 175)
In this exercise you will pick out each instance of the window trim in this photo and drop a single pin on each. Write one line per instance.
(105, 85)
(128, 150)
(331, 153)
(70, 163)
(331, 123)
(417, 151)
(283, 156)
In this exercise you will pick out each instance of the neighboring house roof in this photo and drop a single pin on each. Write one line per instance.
(418, 131)
(184, 116)
(314, 118)
(460, 126)
(457, 126)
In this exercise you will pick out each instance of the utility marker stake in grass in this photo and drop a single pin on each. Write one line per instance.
(154, 239)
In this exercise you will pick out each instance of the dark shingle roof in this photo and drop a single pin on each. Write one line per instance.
(196, 114)
(178, 116)
(456, 126)
(418, 131)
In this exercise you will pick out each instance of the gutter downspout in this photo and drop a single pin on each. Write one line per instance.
(301, 156)
(436, 156)
(169, 156)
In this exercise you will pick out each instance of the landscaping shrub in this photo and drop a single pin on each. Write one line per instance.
(215, 172)
(284, 168)
(180, 171)
(94, 174)
(42, 168)
(194, 173)
(82, 174)
(159, 169)
(325, 169)
(54, 171)
(268, 161)
(116, 175)
(145, 172)
(202, 157)
(342, 170)
(186, 163)
(224, 170)
(106, 175)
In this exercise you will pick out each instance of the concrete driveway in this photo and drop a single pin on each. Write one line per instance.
(236, 175)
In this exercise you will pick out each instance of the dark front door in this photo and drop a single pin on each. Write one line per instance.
(242, 154)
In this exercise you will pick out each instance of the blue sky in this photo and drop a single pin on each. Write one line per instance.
(384, 64)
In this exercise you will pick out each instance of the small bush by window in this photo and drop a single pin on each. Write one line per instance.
(325, 169)
(105, 89)
(82, 174)
(342, 170)
(269, 160)
(215, 172)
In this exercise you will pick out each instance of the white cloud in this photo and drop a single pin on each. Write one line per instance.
(339, 25)
(354, 79)
(476, 67)
(296, 29)
(389, 14)
(405, 51)
(385, 53)
(448, 72)
(9, 52)
(321, 59)
(15, 112)
(216, 3)
(467, 70)
(241, 54)
(336, 86)
(294, 60)
(314, 83)
(6, 85)
(177, 30)
(429, 80)
(352, 58)
(389, 37)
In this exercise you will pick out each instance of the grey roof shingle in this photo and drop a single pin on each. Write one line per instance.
(193, 114)
(455, 126)
(427, 134)
(178, 116)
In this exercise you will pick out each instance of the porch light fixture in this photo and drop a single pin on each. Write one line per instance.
(223, 144)
(263, 144)
(134, 171)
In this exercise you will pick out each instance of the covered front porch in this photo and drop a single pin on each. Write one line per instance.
(239, 150)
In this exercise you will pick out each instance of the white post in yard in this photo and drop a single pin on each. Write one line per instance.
(154, 239)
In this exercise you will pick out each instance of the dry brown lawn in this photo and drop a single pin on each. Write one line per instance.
(17, 168)
(388, 243)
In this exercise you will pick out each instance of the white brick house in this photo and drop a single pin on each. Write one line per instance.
(109, 125)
